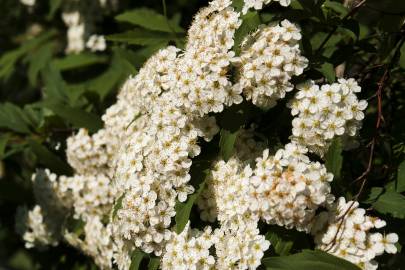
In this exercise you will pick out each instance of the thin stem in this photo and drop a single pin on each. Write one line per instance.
(353, 11)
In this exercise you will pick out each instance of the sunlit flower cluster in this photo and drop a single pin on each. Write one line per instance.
(228, 191)
(268, 64)
(259, 4)
(289, 188)
(189, 250)
(347, 232)
(129, 175)
(91, 195)
(321, 113)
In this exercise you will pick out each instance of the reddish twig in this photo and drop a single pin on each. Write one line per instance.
(380, 119)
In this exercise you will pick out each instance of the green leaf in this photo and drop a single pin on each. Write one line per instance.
(21, 260)
(183, 209)
(391, 202)
(110, 79)
(53, 7)
(251, 20)
(227, 142)
(279, 242)
(400, 183)
(4, 138)
(55, 86)
(337, 7)
(14, 118)
(328, 71)
(38, 60)
(308, 260)
(74, 61)
(140, 37)
(117, 206)
(402, 57)
(9, 59)
(334, 159)
(373, 194)
(136, 258)
(49, 159)
(76, 116)
(149, 19)
(237, 5)
(153, 264)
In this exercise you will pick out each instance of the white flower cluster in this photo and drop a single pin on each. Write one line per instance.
(321, 113)
(80, 18)
(266, 67)
(258, 4)
(189, 250)
(228, 191)
(346, 231)
(289, 188)
(237, 244)
(32, 227)
(29, 3)
(91, 195)
(285, 189)
(87, 154)
(88, 195)
(75, 32)
(151, 134)
(176, 92)
(40, 226)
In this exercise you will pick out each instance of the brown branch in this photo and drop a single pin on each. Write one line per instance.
(380, 118)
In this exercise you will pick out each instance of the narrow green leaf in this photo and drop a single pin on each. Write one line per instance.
(75, 116)
(38, 60)
(55, 86)
(237, 5)
(14, 118)
(153, 264)
(334, 159)
(391, 202)
(183, 210)
(74, 61)
(400, 183)
(308, 260)
(140, 37)
(3, 144)
(227, 142)
(136, 258)
(402, 57)
(9, 59)
(373, 195)
(149, 19)
(251, 20)
(110, 79)
(351, 28)
(328, 71)
(281, 245)
(53, 7)
(337, 7)
(49, 159)
(117, 206)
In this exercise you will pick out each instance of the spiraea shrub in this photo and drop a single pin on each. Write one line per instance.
(250, 135)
